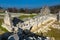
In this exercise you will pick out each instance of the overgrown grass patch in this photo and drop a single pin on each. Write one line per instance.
(1, 15)
(54, 33)
(2, 30)
(26, 16)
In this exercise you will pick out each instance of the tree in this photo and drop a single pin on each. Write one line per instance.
(15, 10)
(21, 10)
(9, 9)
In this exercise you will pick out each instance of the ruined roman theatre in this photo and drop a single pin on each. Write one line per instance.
(37, 24)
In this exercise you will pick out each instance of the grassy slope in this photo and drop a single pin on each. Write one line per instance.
(2, 30)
